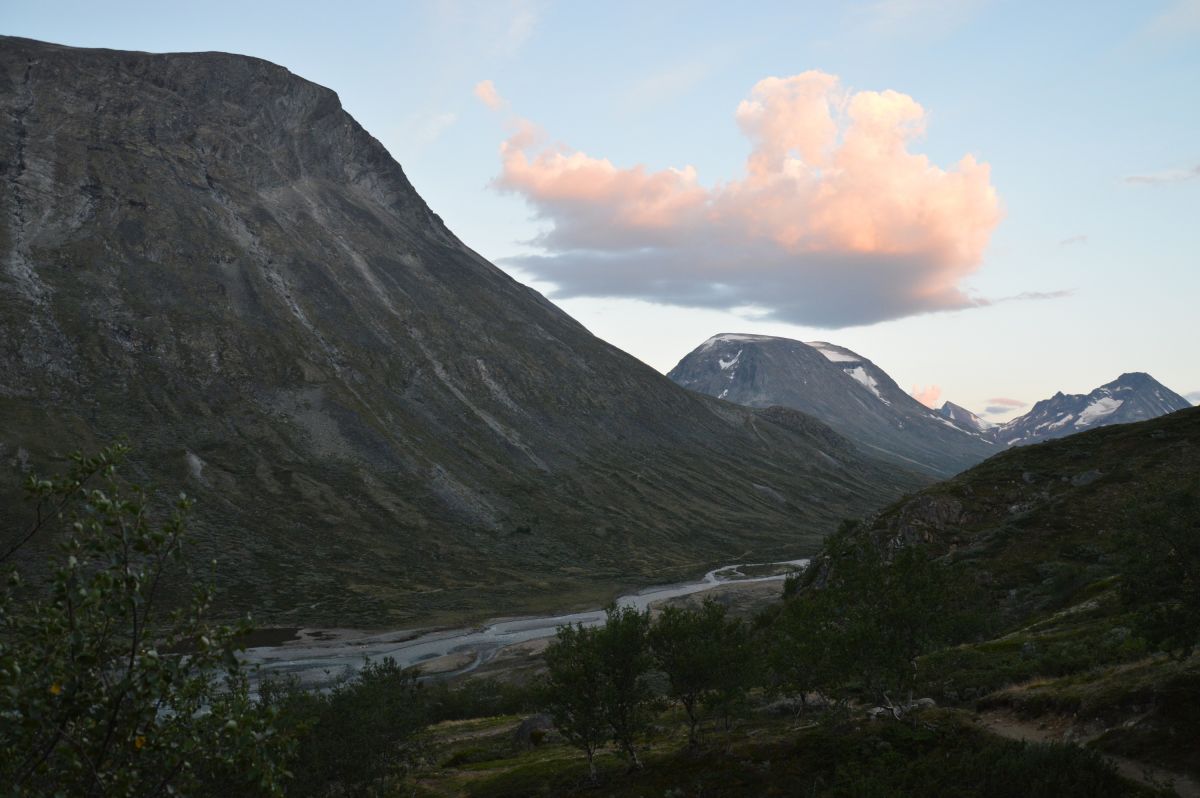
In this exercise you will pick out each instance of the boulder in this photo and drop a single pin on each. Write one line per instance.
(532, 731)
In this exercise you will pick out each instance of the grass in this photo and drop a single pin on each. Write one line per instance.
(1149, 708)
(939, 753)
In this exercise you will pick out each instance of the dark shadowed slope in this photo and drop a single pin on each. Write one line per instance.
(1046, 520)
(837, 386)
(205, 253)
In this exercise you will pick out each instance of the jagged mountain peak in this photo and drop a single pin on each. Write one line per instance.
(1133, 396)
(964, 418)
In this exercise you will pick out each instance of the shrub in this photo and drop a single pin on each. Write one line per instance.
(105, 691)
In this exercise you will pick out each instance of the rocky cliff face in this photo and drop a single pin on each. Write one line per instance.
(837, 386)
(205, 253)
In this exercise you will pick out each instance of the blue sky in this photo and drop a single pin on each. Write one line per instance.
(1064, 101)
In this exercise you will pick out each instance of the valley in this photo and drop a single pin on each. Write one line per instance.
(379, 427)
(317, 658)
(301, 495)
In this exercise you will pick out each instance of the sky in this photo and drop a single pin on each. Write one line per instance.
(993, 201)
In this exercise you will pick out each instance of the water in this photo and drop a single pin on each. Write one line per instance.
(317, 663)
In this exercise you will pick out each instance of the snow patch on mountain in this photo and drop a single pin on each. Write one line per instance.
(733, 338)
(834, 353)
(867, 381)
(1062, 422)
(726, 364)
(1098, 410)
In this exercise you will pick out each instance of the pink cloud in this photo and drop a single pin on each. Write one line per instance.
(834, 222)
(927, 396)
(485, 90)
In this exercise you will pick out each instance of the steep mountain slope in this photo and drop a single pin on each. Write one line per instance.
(1130, 397)
(205, 253)
(837, 386)
(964, 418)
(1044, 520)
(1052, 536)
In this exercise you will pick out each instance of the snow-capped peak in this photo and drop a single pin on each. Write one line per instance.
(721, 338)
(834, 353)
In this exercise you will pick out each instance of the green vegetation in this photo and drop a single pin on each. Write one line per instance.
(575, 677)
(862, 616)
(1162, 573)
(1011, 619)
(596, 682)
(941, 755)
(356, 738)
(105, 690)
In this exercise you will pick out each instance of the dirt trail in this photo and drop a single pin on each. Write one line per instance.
(1007, 725)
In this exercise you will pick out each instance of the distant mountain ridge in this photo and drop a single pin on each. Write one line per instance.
(964, 418)
(837, 386)
(1134, 396)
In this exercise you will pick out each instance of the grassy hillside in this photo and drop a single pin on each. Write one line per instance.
(1067, 538)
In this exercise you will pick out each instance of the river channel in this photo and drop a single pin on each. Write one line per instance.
(319, 659)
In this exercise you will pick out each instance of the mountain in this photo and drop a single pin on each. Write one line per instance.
(1130, 397)
(837, 386)
(205, 253)
(1053, 535)
(1029, 514)
(964, 419)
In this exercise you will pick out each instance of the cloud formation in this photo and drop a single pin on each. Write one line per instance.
(927, 396)
(999, 405)
(1066, 242)
(1166, 176)
(1193, 397)
(834, 222)
(485, 90)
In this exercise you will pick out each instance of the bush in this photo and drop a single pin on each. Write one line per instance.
(865, 615)
(105, 692)
(708, 660)
(480, 698)
(358, 737)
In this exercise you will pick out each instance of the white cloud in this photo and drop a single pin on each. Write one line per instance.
(927, 396)
(485, 90)
(834, 223)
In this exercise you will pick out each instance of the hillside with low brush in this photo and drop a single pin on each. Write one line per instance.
(1084, 546)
